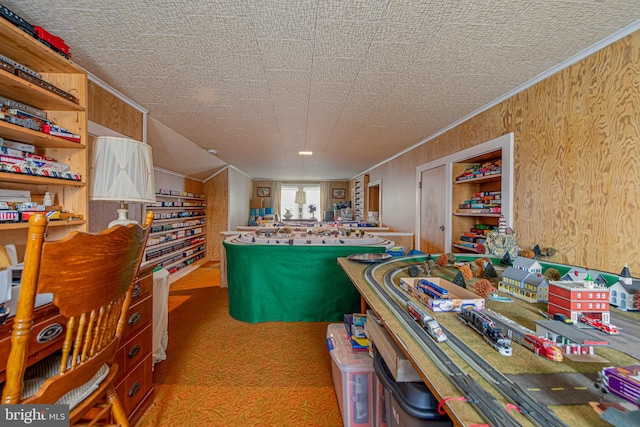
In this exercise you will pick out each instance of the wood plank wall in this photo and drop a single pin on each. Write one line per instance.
(217, 191)
(110, 111)
(577, 157)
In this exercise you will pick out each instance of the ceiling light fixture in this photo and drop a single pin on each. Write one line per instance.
(305, 153)
(212, 151)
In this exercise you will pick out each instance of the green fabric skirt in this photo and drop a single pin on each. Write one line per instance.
(290, 283)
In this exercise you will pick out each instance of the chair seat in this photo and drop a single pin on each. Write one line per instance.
(37, 374)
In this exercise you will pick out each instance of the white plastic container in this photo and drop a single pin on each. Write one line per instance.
(353, 377)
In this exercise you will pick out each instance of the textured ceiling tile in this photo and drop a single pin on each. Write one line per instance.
(290, 99)
(335, 69)
(359, 10)
(283, 20)
(329, 92)
(287, 80)
(286, 54)
(343, 39)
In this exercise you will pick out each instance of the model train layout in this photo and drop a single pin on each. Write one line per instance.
(392, 285)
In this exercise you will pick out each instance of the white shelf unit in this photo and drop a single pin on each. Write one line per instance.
(360, 202)
(177, 241)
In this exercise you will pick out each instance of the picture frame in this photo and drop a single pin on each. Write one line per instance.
(264, 191)
(338, 193)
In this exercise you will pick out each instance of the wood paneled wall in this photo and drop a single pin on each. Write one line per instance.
(217, 192)
(577, 157)
(110, 111)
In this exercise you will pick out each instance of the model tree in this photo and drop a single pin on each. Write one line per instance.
(459, 280)
(536, 251)
(452, 257)
(483, 287)
(490, 271)
(442, 260)
(526, 253)
(466, 272)
(506, 260)
(429, 265)
(414, 271)
(637, 301)
(479, 263)
(552, 275)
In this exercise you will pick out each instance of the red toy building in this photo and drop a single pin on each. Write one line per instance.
(577, 298)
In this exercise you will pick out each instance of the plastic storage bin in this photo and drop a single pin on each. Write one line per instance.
(407, 404)
(353, 377)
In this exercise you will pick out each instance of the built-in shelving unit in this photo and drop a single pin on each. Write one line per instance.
(360, 202)
(177, 241)
(71, 196)
(476, 200)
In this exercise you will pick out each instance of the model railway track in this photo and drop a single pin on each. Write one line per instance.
(536, 412)
(485, 402)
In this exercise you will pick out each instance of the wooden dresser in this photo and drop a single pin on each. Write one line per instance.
(134, 383)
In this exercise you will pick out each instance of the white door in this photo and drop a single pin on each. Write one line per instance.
(433, 210)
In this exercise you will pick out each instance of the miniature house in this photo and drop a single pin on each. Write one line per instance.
(624, 291)
(524, 280)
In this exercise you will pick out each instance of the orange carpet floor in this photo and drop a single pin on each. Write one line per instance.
(223, 372)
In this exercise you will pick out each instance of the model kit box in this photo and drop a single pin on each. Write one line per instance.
(456, 299)
(623, 381)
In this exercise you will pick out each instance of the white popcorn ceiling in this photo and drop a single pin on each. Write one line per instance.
(353, 81)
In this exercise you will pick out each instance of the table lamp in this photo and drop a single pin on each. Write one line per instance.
(121, 171)
(301, 199)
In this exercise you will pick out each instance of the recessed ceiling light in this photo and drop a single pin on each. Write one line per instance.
(212, 151)
(305, 153)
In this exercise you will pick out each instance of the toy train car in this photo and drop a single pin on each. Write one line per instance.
(16, 20)
(485, 327)
(432, 290)
(429, 324)
(54, 42)
(542, 347)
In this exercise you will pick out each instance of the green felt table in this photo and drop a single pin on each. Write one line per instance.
(291, 283)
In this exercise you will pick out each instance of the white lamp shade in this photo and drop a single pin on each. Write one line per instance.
(121, 170)
(301, 197)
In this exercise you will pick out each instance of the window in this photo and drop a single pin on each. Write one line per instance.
(299, 211)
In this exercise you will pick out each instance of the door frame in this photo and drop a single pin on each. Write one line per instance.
(504, 143)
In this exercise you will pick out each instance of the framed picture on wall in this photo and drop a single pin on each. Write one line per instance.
(264, 191)
(338, 193)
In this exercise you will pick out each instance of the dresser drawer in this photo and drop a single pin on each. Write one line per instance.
(45, 338)
(141, 288)
(138, 315)
(133, 351)
(135, 386)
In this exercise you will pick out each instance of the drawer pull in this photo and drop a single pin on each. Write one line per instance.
(49, 333)
(136, 291)
(134, 351)
(135, 318)
(134, 389)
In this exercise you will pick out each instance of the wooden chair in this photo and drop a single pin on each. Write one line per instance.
(90, 277)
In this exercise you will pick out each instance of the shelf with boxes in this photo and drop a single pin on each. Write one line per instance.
(477, 200)
(360, 202)
(178, 233)
(43, 135)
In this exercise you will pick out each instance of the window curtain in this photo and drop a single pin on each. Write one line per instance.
(325, 198)
(276, 188)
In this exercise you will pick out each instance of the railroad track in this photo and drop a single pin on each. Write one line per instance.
(486, 404)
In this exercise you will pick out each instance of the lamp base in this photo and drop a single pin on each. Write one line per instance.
(122, 218)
